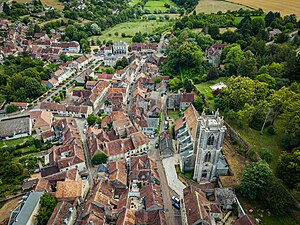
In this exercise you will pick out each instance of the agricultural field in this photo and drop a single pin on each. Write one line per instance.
(130, 29)
(159, 5)
(54, 3)
(284, 7)
(214, 6)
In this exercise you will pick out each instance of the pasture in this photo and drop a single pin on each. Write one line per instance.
(159, 5)
(284, 7)
(54, 3)
(130, 29)
(214, 6)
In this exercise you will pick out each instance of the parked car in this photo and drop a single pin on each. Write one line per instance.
(177, 206)
(175, 199)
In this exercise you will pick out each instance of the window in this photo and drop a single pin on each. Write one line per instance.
(210, 140)
(204, 174)
(207, 157)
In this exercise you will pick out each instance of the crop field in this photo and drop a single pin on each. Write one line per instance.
(159, 5)
(214, 6)
(54, 3)
(129, 28)
(285, 7)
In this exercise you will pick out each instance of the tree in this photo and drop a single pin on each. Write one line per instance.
(255, 179)
(91, 119)
(95, 29)
(288, 168)
(11, 108)
(110, 70)
(63, 57)
(199, 103)
(99, 158)
(37, 29)
(158, 80)
(269, 18)
(33, 88)
(266, 155)
(266, 78)
(233, 56)
(175, 84)
(247, 66)
(48, 204)
(212, 74)
(188, 86)
(292, 123)
(241, 91)
(6, 8)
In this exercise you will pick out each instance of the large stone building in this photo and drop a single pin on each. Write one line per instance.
(199, 141)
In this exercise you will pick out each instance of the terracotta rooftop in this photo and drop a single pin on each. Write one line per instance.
(245, 220)
(60, 212)
(68, 189)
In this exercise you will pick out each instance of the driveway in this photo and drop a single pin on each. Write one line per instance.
(173, 181)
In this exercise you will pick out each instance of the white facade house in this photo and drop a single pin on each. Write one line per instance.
(120, 47)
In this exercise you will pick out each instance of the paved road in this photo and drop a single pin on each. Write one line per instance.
(166, 194)
(81, 126)
(173, 181)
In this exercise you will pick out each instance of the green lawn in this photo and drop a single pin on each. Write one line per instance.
(134, 2)
(159, 5)
(205, 89)
(173, 114)
(238, 19)
(130, 29)
(257, 141)
(15, 141)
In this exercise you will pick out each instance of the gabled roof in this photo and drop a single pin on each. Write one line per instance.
(68, 189)
(245, 220)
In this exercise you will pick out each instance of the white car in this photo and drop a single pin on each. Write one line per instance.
(175, 199)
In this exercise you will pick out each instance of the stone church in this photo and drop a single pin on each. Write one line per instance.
(199, 143)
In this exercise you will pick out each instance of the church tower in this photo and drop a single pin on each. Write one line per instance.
(209, 161)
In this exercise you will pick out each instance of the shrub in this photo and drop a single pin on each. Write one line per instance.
(99, 158)
(271, 130)
(266, 155)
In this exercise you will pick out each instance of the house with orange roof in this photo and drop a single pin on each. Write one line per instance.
(41, 120)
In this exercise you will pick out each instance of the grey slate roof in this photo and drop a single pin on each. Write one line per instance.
(28, 208)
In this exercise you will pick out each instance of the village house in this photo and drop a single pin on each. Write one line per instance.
(110, 60)
(213, 54)
(196, 209)
(26, 212)
(15, 127)
(106, 50)
(66, 110)
(143, 169)
(62, 74)
(72, 47)
(82, 61)
(64, 213)
(144, 48)
(41, 36)
(120, 48)
(41, 121)
(20, 105)
(179, 101)
(52, 82)
(166, 144)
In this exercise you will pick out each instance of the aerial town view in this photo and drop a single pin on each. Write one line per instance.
(150, 112)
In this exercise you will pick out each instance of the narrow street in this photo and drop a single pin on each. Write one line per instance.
(81, 125)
